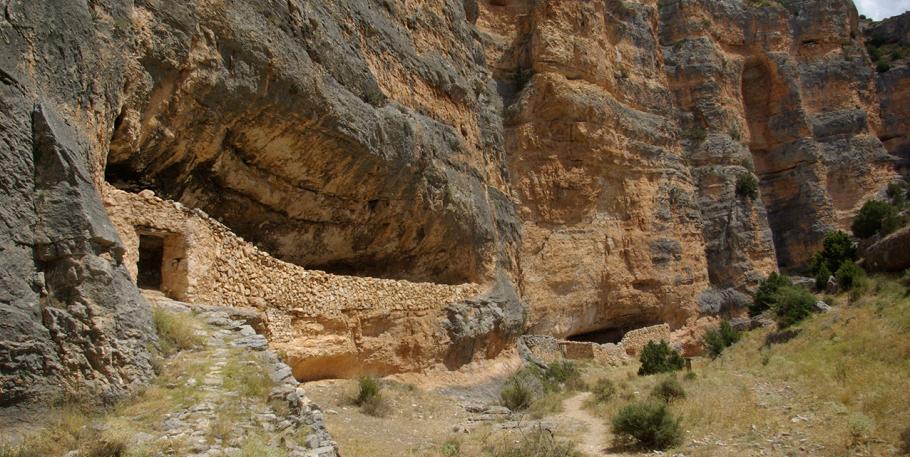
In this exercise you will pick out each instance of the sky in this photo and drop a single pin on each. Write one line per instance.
(881, 9)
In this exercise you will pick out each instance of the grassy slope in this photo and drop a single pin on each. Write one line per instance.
(841, 386)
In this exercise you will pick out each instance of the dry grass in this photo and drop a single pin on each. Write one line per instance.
(548, 405)
(70, 427)
(840, 384)
(177, 331)
(107, 432)
(248, 374)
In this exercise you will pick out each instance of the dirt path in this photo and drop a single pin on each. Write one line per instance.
(592, 441)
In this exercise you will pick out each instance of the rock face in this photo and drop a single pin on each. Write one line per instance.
(608, 208)
(776, 91)
(355, 137)
(889, 39)
(71, 322)
(582, 164)
(891, 253)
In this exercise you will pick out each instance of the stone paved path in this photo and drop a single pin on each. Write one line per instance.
(222, 421)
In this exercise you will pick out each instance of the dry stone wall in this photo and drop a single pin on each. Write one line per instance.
(327, 325)
(548, 349)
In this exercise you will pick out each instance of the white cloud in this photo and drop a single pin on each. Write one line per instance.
(881, 9)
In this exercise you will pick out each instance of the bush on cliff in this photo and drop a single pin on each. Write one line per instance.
(659, 358)
(792, 304)
(720, 338)
(767, 288)
(875, 217)
(747, 186)
(836, 249)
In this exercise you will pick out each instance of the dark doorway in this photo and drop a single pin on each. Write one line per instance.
(602, 336)
(151, 255)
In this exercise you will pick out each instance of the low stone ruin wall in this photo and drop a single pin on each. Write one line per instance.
(549, 349)
(327, 325)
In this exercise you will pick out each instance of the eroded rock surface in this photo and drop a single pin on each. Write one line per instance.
(891, 37)
(779, 92)
(582, 163)
(71, 322)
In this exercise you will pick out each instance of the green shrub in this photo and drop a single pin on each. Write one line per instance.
(367, 388)
(452, 447)
(860, 427)
(850, 276)
(659, 358)
(837, 247)
(690, 376)
(604, 390)
(764, 296)
(747, 186)
(821, 278)
(375, 406)
(882, 66)
(516, 395)
(669, 390)
(651, 424)
(369, 397)
(695, 134)
(792, 304)
(562, 375)
(870, 218)
(716, 340)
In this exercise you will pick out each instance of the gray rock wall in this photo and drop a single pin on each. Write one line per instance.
(71, 323)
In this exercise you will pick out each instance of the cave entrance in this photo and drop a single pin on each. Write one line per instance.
(162, 263)
(603, 336)
(614, 333)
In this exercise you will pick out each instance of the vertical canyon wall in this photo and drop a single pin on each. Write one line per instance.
(71, 322)
(576, 160)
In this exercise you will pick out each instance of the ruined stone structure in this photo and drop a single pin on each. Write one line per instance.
(327, 325)
(549, 349)
(419, 181)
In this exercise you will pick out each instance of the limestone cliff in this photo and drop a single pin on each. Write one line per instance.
(586, 162)
(611, 230)
(888, 43)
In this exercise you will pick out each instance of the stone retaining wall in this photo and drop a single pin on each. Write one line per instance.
(327, 325)
(549, 349)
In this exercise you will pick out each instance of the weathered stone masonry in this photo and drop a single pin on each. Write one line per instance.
(328, 325)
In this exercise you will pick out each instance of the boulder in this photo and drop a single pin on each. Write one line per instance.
(891, 253)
